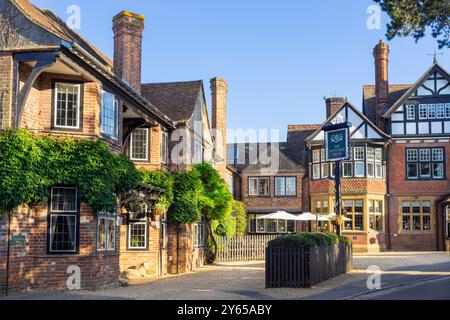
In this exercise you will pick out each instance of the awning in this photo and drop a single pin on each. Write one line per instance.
(280, 215)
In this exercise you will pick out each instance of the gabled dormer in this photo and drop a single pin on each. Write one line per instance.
(424, 109)
(366, 147)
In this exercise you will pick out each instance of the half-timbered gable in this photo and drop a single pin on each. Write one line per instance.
(424, 109)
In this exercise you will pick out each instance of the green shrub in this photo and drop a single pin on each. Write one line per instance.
(344, 240)
(311, 239)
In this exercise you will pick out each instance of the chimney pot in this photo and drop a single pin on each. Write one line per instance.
(219, 90)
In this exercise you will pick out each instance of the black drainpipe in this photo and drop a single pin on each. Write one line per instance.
(8, 254)
(388, 198)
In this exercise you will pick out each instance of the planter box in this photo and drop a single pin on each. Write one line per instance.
(303, 266)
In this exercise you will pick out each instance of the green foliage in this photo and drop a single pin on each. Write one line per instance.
(30, 165)
(21, 167)
(187, 198)
(312, 239)
(412, 17)
(160, 179)
(217, 198)
(240, 215)
(226, 227)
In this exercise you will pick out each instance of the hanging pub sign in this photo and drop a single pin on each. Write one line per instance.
(336, 141)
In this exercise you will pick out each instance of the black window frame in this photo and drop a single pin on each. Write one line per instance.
(418, 164)
(75, 214)
(258, 186)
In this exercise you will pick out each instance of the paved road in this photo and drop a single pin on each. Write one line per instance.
(403, 275)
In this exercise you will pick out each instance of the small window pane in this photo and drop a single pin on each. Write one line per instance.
(431, 111)
(411, 155)
(63, 230)
(109, 115)
(137, 235)
(413, 171)
(440, 111)
(406, 207)
(111, 234)
(438, 170)
(410, 112)
(359, 153)
(316, 155)
(425, 170)
(416, 223)
(438, 154)
(406, 223)
(348, 169)
(291, 186)
(426, 223)
(280, 186)
(316, 171)
(139, 144)
(64, 200)
(426, 207)
(101, 234)
(415, 206)
(424, 155)
(253, 186)
(423, 111)
(325, 171)
(264, 186)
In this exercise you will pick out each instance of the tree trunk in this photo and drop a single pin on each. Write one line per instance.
(211, 254)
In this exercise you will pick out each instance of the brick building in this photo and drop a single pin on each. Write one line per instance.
(53, 82)
(395, 186)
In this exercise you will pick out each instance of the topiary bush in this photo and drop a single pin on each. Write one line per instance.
(311, 239)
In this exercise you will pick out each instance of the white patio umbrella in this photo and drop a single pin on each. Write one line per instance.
(280, 215)
(307, 216)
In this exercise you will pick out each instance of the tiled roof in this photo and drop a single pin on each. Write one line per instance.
(53, 24)
(175, 99)
(370, 102)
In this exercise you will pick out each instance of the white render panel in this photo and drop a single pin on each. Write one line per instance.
(436, 127)
(423, 92)
(398, 128)
(441, 84)
(411, 128)
(424, 128)
(398, 117)
(447, 127)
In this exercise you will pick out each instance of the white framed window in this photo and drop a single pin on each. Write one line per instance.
(438, 154)
(424, 155)
(139, 143)
(370, 169)
(378, 171)
(440, 111)
(164, 147)
(359, 169)
(199, 234)
(410, 112)
(325, 170)
(370, 154)
(411, 155)
(359, 153)
(378, 154)
(67, 106)
(423, 111)
(431, 111)
(198, 152)
(285, 186)
(258, 186)
(63, 220)
(347, 169)
(316, 155)
(316, 171)
(106, 233)
(447, 110)
(322, 155)
(137, 235)
(109, 124)
(332, 169)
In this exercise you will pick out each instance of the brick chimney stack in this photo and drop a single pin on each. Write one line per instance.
(381, 55)
(219, 90)
(128, 28)
(333, 104)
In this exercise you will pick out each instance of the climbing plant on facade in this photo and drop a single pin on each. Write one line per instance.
(30, 165)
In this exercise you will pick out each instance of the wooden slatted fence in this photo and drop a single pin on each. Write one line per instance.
(245, 248)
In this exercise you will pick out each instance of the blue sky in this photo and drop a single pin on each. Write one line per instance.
(280, 58)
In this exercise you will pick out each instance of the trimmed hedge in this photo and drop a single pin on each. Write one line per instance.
(312, 239)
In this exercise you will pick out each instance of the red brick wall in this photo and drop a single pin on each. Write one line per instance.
(31, 266)
(188, 257)
(6, 72)
(348, 186)
(273, 202)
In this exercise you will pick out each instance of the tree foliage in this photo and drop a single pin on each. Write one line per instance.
(161, 179)
(240, 214)
(187, 192)
(30, 165)
(412, 17)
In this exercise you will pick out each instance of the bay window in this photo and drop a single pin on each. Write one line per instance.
(109, 124)
(354, 210)
(63, 224)
(67, 105)
(425, 163)
(139, 144)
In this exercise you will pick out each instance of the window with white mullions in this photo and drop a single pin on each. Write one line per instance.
(258, 186)
(109, 115)
(63, 220)
(67, 105)
(416, 215)
(285, 186)
(139, 144)
(200, 234)
(106, 233)
(137, 235)
(410, 112)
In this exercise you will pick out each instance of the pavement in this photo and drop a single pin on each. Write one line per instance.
(393, 275)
